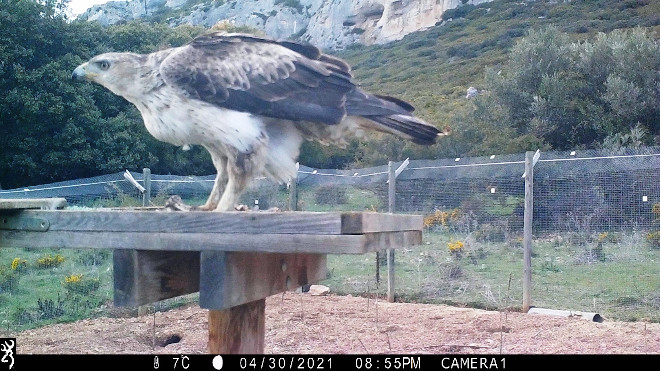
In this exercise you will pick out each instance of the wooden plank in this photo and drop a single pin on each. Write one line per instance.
(390, 240)
(32, 203)
(284, 243)
(238, 330)
(390, 275)
(367, 222)
(117, 220)
(143, 277)
(229, 279)
(105, 220)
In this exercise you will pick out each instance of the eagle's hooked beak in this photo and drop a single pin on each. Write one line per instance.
(79, 73)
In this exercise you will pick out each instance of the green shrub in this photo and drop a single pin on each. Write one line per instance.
(50, 261)
(654, 239)
(490, 233)
(48, 308)
(330, 195)
(8, 280)
(93, 256)
(76, 284)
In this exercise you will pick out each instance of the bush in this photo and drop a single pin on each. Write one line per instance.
(49, 309)
(654, 239)
(330, 195)
(19, 265)
(458, 12)
(50, 261)
(427, 53)
(93, 256)
(76, 284)
(441, 218)
(8, 280)
(491, 233)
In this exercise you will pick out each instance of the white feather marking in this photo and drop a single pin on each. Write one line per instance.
(180, 121)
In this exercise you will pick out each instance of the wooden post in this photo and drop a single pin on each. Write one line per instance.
(527, 231)
(146, 199)
(391, 176)
(377, 268)
(293, 194)
(146, 196)
(238, 330)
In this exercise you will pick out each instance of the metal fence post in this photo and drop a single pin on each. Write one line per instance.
(293, 193)
(391, 176)
(146, 178)
(527, 231)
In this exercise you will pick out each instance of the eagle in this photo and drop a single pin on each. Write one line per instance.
(250, 102)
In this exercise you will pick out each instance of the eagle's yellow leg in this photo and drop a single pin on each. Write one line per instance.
(219, 184)
(240, 171)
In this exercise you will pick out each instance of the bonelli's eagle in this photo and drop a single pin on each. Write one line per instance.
(250, 102)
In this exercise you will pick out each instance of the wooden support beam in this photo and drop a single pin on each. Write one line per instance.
(229, 279)
(142, 277)
(285, 243)
(224, 279)
(153, 221)
(238, 330)
(32, 203)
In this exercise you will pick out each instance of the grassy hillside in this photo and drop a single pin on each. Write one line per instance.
(433, 68)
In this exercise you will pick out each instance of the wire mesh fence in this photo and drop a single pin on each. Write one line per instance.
(596, 234)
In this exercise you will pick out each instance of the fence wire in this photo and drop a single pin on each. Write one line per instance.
(596, 234)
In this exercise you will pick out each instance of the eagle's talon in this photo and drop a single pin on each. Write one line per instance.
(175, 203)
(203, 208)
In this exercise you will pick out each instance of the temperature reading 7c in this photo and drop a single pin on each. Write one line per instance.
(185, 362)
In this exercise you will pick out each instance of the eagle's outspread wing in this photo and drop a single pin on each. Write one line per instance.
(250, 102)
(260, 76)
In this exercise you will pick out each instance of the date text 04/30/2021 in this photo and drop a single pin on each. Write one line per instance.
(378, 362)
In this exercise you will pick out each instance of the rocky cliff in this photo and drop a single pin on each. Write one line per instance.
(330, 24)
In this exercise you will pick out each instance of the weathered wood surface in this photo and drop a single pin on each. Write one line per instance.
(114, 220)
(32, 203)
(224, 279)
(238, 330)
(334, 233)
(105, 220)
(286, 243)
(143, 277)
(229, 279)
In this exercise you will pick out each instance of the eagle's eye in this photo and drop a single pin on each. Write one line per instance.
(104, 65)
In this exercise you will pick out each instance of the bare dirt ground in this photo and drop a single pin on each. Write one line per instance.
(301, 323)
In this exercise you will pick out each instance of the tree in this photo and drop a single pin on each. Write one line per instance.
(55, 129)
(561, 94)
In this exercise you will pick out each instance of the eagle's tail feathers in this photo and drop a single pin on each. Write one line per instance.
(408, 127)
(402, 104)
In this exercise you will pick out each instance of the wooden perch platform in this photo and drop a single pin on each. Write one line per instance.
(234, 259)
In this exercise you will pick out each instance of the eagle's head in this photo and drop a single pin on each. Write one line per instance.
(121, 73)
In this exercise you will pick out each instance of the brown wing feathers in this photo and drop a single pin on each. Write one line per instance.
(284, 79)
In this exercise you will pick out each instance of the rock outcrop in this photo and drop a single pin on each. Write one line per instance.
(330, 24)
